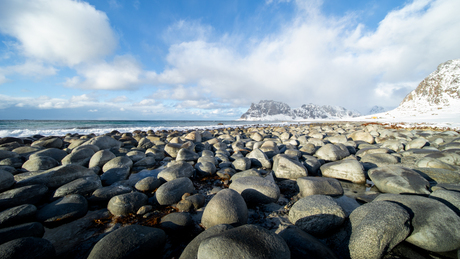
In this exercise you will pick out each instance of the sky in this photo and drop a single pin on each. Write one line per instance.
(209, 60)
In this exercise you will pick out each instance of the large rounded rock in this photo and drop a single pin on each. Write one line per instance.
(438, 176)
(55, 153)
(100, 158)
(248, 241)
(104, 194)
(317, 215)
(256, 190)
(446, 157)
(48, 142)
(287, 168)
(319, 185)
(63, 210)
(416, 143)
(33, 229)
(6, 180)
(331, 152)
(27, 247)
(432, 222)
(348, 169)
(172, 149)
(434, 163)
(176, 170)
(114, 175)
(362, 136)
(396, 179)
(79, 156)
(124, 204)
(132, 241)
(242, 164)
(57, 176)
(259, 159)
(172, 191)
(40, 163)
(30, 194)
(135, 155)
(226, 207)
(176, 222)
(191, 250)
(185, 154)
(82, 186)
(204, 169)
(104, 142)
(148, 184)
(118, 162)
(304, 245)
(20, 214)
(377, 227)
(450, 198)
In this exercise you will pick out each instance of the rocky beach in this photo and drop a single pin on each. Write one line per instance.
(318, 190)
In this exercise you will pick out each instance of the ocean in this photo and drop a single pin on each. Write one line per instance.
(27, 128)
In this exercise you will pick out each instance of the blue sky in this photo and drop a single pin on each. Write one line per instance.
(155, 60)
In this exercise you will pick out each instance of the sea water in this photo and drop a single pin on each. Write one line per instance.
(27, 128)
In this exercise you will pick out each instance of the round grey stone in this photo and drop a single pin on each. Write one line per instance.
(27, 247)
(319, 185)
(6, 180)
(172, 191)
(63, 210)
(19, 214)
(31, 194)
(132, 241)
(248, 241)
(226, 207)
(396, 179)
(317, 215)
(256, 190)
(124, 204)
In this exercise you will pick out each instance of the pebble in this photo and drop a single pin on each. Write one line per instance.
(187, 181)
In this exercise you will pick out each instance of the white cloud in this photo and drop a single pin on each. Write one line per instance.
(62, 32)
(124, 72)
(319, 59)
(119, 99)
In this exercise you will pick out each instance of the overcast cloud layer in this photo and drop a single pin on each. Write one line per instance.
(312, 58)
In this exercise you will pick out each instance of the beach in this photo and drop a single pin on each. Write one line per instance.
(202, 189)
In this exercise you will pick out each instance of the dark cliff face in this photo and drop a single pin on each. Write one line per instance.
(267, 109)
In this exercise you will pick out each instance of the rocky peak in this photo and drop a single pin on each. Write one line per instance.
(440, 88)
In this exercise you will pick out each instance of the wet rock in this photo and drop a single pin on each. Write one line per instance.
(256, 190)
(132, 241)
(396, 179)
(317, 215)
(124, 204)
(226, 207)
(248, 241)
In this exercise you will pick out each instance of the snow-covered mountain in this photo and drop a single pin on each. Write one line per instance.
(441, 89)
(267, 110)
(377, 109)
